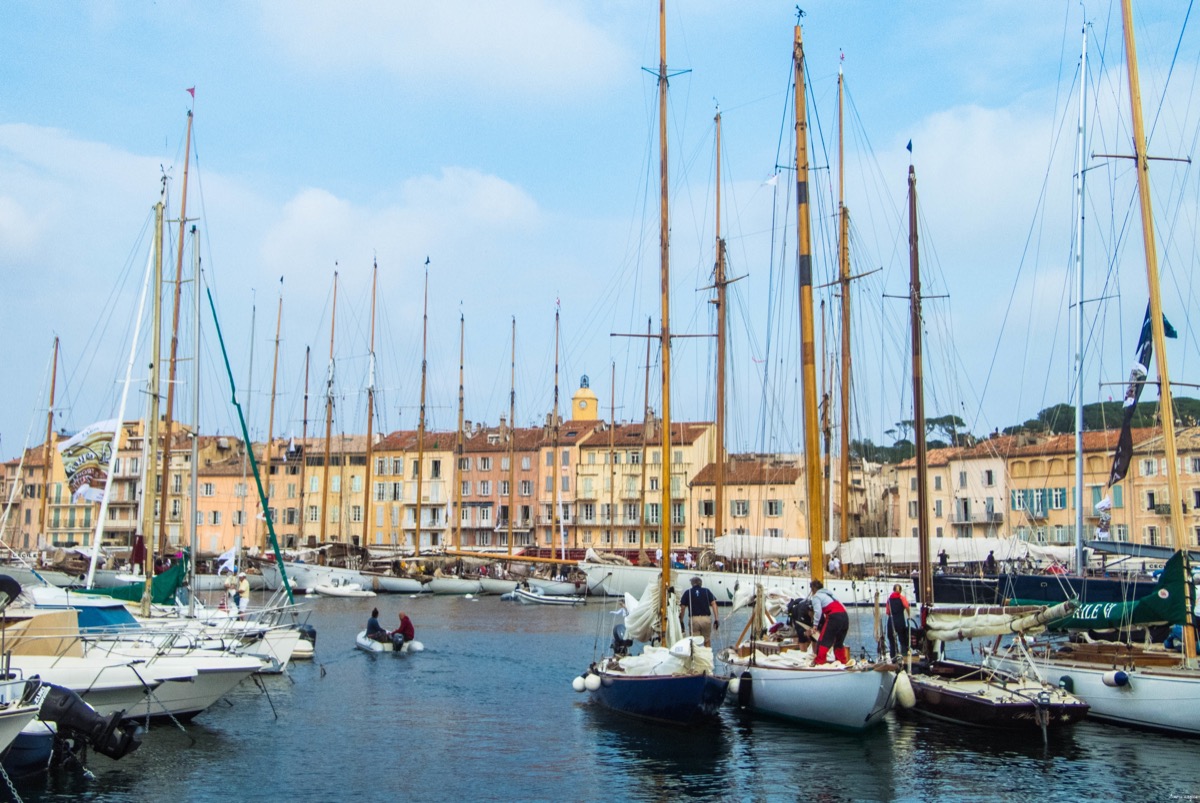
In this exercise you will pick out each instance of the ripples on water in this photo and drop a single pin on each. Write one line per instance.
(487, 713)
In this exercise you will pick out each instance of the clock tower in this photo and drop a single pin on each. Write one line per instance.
(584, 404)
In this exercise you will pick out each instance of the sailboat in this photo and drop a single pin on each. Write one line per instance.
(778, 677)
(675, 684)
(1138, 684)
(955, 690)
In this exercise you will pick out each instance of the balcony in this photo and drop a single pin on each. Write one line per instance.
(958, 517)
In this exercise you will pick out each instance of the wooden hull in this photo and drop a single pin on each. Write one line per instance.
(968, 697)
(674, 700)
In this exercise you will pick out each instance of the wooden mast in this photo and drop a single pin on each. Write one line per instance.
(612, 452)
(844, 281)
(151, 439)
(421, 410)
(1158, 334)
(193, 523)
(458, 442)
(720, 282)
(554, 445)
(304, 448)
(167, 419)
(664, 233)
(47, 450)
(328, 414)
(925, 568)
(512, 435)
(370, 448)
(647, 431)
(259, 540)
(812, 446)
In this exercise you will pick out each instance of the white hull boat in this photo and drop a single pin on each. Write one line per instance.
(370, 645)
(454, 585)
(617, 581)
(342, 589)
(394, 584)
(492, 585)
(107, 685)
(537, 597)
(305, 577)
(559, 588)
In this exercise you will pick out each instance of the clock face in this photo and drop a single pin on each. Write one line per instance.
(583, 404)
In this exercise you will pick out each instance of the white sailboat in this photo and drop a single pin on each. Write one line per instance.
(780, 678)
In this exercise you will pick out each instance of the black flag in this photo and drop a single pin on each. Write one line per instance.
(1137, 378)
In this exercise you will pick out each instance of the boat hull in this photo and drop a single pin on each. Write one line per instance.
(1013, 704)
(674, 699)
(392, 584)
(454, 585)
(850, 700)
(370, 645)
(1159, 698)
(348, 590)
(617, 581)
(1048, 588)
(534, 598)
(491, 585)
(559, 588)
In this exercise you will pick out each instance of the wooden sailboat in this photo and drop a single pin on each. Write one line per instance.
(674, 683)
(954, 690)
(1131, 684)
(779, 677)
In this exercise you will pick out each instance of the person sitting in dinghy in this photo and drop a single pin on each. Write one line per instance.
(403, 633)
(375, 631)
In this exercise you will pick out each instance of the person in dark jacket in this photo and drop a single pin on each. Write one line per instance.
(897, 622)
(375, 631)
(701, 607)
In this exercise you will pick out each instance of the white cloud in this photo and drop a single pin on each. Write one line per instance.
(527, 47)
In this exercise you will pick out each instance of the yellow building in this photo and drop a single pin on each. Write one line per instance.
(763, 496)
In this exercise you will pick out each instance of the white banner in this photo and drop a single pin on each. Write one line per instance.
(87, 458)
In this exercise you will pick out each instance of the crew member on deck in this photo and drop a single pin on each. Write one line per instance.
(701, 606)
(830, 617)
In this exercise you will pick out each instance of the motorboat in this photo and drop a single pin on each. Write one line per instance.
(370, 645)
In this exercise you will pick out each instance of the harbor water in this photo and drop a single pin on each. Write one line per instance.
(487, 712)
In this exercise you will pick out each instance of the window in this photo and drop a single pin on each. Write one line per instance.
(1196, 465)
(485, 488)
(485, 464)
(312, 484)
(631, 512)
(290, 516)
(214, 518)
(706, 507)
(335, 514)
(654, 483)
(435, 469)
(416, 467)
(937, 509)
(678, 455)
(504, 464)
(566, 457)
(912, 509)
(588, 512)
(335, 484)
(381, 465)
(483, 539)
(465, 487)
(524, 463)
(397, 491)
(525, 488)
(356, 513)
(591, 458)
(291, 490)
(912, 484)
(655, 457)
(707, 535)
(1058, 498)
(631, 536)
(937, 482)
(774, 532)
(635, 458)
(464, 464)
(653, 513)
(207, 489)
(938, 532)
(773, 507)
(504, 488)
(1152, 536)
(239, 518)
(550, 458)
(739, 508)
(177, 483)
(989, 478)
(485, 516)
(398, 466)
(313, 515)
(549, 484)
(677, 513)
(566, 483)
(962, 479)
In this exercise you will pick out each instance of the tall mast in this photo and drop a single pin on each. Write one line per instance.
(612, 453)
(151, 439)
(193, 524)
(167, 421)
(918, 380)
(844, 280)
(512, 434)
(554, 445)
(421, 413)
(647, 429)
(1166, 404)
(812, 446)
(665, 291)
(248, 451)
(458, 441)
(258, 539)
(47, 453)
(304, 447)
(369, 498)
(1081, 137)
(720, 282)
(328, 413)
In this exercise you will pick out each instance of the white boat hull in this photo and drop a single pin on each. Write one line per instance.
(391, 584)
(454, 585)
(843, 699)
(370, 645)
(304, 577)
(536, 598)
(618, 581)
(1163, 698)
(491, 585)
(559, 588)
(346, 590)
(13, 718)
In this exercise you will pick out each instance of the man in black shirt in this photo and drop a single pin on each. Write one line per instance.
(701, 606)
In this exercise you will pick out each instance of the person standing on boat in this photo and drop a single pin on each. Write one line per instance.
(833, 623)
(375, 631)
(405, 631)
(989, 563)
(243, 589)
(897, 623)
(701, 606)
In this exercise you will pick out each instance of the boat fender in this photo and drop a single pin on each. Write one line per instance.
(734, 685)
(1116, 678)
(591, 682)
(745, 692)
(308, 633)
(905, 695)
(1067, 684)
(578, 684)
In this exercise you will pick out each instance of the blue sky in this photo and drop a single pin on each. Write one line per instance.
(514, 145)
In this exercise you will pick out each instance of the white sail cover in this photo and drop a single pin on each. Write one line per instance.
(955, 623)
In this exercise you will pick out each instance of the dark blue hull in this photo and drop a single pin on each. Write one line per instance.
(29, 753)
(675, 700)
(995, 589)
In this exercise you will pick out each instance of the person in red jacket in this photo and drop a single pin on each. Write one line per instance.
(405, 630)
(830, 617)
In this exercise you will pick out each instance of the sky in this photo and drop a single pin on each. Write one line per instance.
(509, 153)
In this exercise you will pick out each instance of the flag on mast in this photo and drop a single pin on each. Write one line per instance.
(1137, 380)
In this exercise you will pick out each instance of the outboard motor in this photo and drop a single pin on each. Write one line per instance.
(620, 644)
(308, 633)
(397, 642)
(76, 720)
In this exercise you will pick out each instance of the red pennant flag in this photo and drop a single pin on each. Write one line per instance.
(192, 91)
